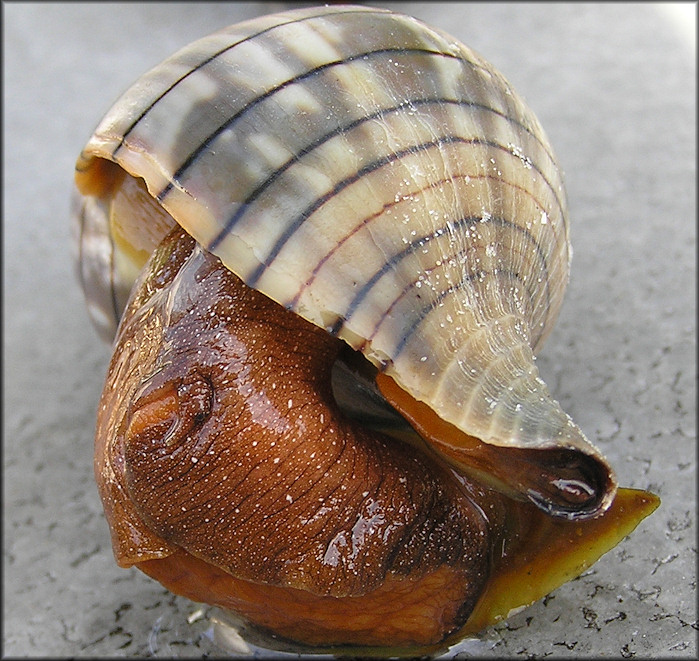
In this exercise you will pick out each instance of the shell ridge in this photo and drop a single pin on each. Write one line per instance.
(526, 372)
(293, 226)
(536, 411)
(427, 309)
(497, 349)
(79, 222)
(221, 51)
(347, 128)
(101, 280)
(273, 90)
(418, 243)
(387, 206)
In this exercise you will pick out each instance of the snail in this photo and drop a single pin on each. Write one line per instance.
(327, 244)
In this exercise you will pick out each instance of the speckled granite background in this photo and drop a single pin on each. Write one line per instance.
(613, 84)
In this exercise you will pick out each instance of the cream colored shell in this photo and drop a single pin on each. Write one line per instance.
(380, 179)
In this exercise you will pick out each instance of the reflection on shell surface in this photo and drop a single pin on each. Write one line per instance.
(328, 243)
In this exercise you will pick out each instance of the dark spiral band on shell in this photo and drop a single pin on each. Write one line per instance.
(381, 180)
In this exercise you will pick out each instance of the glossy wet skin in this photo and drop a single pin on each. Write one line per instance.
(219, 435)
(229, 474)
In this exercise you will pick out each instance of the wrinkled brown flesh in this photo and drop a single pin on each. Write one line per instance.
(228, 474)
(218, 435)
(551, 552)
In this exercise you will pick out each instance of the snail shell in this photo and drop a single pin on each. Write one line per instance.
(383, 182)
(379, 179)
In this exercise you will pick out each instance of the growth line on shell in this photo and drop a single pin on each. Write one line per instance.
(222, 51)
(342, 130)
(293, 226)
(191, 159)
(420, 243)
(453, 289)
(292, 304)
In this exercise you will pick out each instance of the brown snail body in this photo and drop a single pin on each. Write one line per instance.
(347, 174)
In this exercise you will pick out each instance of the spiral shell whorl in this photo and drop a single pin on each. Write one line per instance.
(381, 180)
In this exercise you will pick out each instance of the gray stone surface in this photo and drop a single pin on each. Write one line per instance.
(614, 86)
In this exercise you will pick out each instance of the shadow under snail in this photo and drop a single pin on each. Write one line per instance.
(333, 240)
